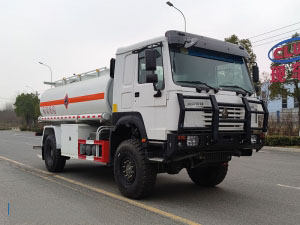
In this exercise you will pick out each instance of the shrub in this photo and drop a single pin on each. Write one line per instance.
(23, 128)
(282, 140)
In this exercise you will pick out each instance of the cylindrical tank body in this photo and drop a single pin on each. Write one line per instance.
(89, 96)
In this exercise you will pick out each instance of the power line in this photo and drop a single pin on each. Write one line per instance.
(275, 35)
(273, 30)
(271, 41)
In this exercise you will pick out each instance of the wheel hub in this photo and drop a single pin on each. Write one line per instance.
(128, 170)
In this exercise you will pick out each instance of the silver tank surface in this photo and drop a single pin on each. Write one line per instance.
(91, 95)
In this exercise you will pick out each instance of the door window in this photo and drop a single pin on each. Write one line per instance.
(159, 69)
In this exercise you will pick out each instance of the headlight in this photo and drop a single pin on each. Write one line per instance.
(253, 139)
(192, 141)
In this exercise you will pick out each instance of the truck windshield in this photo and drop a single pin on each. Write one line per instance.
(201, 67)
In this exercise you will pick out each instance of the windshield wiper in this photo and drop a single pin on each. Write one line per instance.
(236, 86)
(200, 82)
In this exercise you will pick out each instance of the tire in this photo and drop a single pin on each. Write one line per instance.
(208, 176)
(53, 160)
(134, 176)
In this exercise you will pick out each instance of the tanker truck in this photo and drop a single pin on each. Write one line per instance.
(179, 101)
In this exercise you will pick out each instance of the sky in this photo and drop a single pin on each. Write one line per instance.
(76, 36)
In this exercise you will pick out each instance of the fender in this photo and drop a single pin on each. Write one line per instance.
(130, 118)
(56, 130)
(127, 119)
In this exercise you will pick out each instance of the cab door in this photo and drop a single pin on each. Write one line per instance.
(144, 92)
(151, 106)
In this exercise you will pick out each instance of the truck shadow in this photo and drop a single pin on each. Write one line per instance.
(91, 172)
(169, 188)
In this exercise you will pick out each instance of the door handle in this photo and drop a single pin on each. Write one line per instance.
(137, 94)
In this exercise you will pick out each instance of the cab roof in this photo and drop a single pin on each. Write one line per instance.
(179, 37)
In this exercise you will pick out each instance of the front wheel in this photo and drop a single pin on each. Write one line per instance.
(209, 176)
(134, 176)
(53, 159)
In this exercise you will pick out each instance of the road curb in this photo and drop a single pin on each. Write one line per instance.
(281, 149)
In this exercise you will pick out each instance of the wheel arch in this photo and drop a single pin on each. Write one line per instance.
(56, 131)
(125, 124)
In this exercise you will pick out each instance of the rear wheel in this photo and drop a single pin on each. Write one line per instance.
(134, 176)
(53, 159)
(208, 176)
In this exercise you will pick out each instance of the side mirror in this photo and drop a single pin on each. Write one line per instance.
(151, 78)
(255, 73)
(150, 59)
(112, 68)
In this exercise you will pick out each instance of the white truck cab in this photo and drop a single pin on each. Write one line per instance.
(172, 102)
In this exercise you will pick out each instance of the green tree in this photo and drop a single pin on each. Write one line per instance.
(280, 89)
(246, 43)
(27, 107)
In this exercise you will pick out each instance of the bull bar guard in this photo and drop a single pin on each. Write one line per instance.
(214, 109)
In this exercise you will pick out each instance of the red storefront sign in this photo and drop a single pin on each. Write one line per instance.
(285, 52)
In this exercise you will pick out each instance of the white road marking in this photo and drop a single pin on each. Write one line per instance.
(282, 185)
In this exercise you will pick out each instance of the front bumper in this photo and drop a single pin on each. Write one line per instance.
(235, 144)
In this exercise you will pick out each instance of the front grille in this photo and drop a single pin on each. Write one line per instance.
(233, 113)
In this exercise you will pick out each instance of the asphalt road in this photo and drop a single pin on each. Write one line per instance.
(262, 189)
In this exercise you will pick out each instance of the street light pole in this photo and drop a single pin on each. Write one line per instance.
(171, 5)
(49, 69)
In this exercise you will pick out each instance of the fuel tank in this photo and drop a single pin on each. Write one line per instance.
(85, 95)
